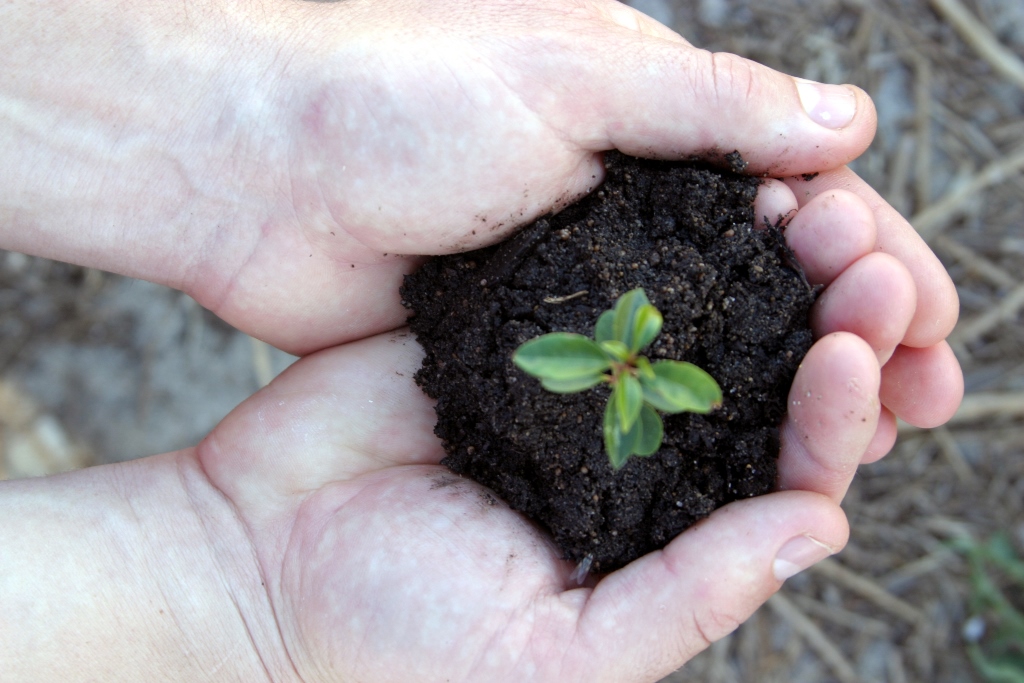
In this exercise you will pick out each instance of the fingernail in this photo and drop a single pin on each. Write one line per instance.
(797, 555)
(831, 106)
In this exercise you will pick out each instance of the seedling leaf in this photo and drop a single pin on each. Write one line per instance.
(624, 322)
(617, 443)
(616, 350)
(562, 357)
(605, 330)
(678, 386)
(646, 326)
(652, 431)
(572, 386)
(629, 399)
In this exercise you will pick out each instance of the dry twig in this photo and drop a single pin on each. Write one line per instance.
(843, 617)
(923, 124)
(1007, 309)
(976, 263)
(815, 637)
(913, 570)
(936, 217)
(977, 35)
(870, 590)
(983, 406)
(954, 454)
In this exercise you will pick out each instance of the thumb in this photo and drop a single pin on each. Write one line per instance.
(649, 618)
(662, 97)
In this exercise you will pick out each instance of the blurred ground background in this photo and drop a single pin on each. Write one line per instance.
(97, 368)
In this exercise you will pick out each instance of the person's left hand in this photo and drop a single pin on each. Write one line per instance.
(313, 535)
(375, 564)
(380, 565)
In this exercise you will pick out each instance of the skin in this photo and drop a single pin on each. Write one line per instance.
(285, 164)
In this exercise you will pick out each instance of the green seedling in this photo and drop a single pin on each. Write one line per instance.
(567, 363)
(995, 639)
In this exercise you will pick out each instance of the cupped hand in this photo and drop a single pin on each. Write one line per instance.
(286, 166)
(883, 286)
(373, 563)
(401, 129)
(315, 151)
(379, 565)
(439, 130)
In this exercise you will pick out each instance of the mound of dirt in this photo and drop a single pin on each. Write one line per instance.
(734, 302)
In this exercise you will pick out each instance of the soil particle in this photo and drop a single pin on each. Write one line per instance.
(734, 303)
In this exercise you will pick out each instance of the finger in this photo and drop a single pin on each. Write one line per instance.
(923, 387)
(874, 298)
(647, 619)
(329, 417)
(832, 416)
(774, 204)
(829, 233)
(656, 97)
(937, 303)
(883, 440)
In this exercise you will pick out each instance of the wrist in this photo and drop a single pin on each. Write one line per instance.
(113, 573)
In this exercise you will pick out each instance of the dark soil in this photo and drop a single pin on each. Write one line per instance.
(734, 302)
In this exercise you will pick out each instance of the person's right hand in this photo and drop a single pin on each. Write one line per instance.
(265, 163)
(286, 167)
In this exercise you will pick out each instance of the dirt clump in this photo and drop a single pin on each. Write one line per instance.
(734, 302)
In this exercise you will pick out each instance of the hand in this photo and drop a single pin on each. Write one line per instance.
(320, 497)
(287, 167)
(870, 262)
(416, 574)
(274, 187)
(313, 536)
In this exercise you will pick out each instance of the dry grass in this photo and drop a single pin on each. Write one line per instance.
(949, 154)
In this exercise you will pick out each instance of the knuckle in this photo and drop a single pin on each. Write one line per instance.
(732, 82)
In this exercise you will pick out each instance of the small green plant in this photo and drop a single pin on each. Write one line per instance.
(567, 363)
(995, 638)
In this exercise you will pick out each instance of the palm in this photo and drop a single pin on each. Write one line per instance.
(381, 565)
(420, 576)
(384, 561)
